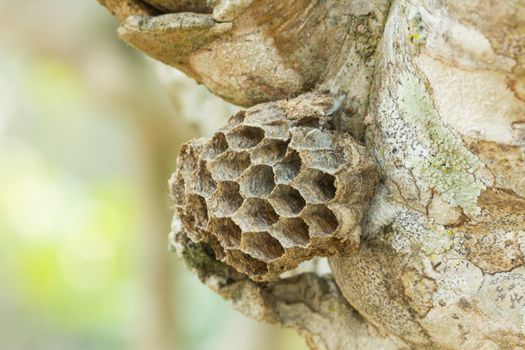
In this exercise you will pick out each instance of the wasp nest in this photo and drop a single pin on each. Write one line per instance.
(276, 186)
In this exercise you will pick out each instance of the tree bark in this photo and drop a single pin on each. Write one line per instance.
(435, 90)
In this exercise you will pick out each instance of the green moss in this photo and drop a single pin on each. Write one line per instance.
(444, 163)
(200, 258)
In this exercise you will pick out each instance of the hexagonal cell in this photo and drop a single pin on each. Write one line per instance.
(307, 121)
(197, 210)
(287, 169)
(324, 160)
(245, 263)
(225, 200)
(321, 221)
(290, 232)
(269, 151)
(257, 181)
(203, 183)
(277, 130)
(261, 246)
(215, 146)
(287, 201)
(311, 138)
(245, 136)
(229, 165)
(315, 186)
(226, 231)
(255, 215)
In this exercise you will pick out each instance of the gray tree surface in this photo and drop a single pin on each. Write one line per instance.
(435, 92)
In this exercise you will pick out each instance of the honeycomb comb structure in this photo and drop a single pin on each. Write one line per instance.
(276, 186)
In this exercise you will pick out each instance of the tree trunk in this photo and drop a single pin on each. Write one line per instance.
(435, 91)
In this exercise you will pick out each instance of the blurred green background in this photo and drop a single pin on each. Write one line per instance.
(89, 131)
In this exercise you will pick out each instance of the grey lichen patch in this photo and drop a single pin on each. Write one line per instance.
(458, 280)
(411, 232)
(521, 241)
(502, 296)
(406, 231)
(443, 162)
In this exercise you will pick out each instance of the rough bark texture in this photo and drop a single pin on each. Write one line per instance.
(436, 91)
(446, 117)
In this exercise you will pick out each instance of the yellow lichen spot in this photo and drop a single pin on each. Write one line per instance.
(413, 38)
